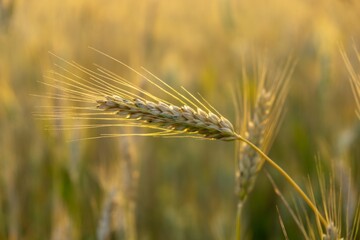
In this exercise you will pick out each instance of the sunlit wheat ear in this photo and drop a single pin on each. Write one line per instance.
(342, 219)
(332, 233)
(332, 200)
(262, 120)
(174, 119)
(111, 100)
(335, 200)
(354, 77)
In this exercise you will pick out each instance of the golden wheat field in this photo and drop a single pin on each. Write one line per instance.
(191, 119)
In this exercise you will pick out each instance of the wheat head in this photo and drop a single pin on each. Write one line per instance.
(166, 116)
(107, 97)
(332, 233)
(262, 121)
(249, 160)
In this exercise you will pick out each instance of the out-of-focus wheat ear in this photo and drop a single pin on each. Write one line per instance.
(340, 222)
(249, 161)
(104, 225)
(332, 232)
(61, 222)
(262, 120)
(332, 200)
(130, 177)
(354, 77)
(332, 204)
(119, 181)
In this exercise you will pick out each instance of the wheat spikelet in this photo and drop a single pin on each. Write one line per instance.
(261, 126)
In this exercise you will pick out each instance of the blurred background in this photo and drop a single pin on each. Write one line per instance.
(53, 188)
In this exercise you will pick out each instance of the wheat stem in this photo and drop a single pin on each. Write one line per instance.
(288, 178)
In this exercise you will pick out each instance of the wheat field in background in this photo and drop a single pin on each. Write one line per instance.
(70, 168)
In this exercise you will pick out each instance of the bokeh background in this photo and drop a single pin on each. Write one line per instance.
(53, 188)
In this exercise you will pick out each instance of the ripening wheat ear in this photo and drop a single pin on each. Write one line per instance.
(262, 119)
(177, 120)
(354, 77)
(341, 214)
(115, 101)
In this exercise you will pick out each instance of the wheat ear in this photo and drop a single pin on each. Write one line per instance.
(249, 160)
(262, 121)
(170, 117)
(259, 124)
(332, 233)
(122, 103)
